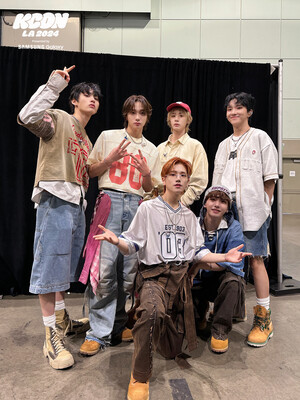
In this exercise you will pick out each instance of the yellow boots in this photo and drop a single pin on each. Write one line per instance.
(262, 329)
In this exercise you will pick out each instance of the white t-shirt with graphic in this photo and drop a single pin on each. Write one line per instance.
(122, 176)
(160, 234)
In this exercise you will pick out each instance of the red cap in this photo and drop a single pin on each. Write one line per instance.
(179, 104)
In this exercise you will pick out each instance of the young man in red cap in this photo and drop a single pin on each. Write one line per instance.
(180, 144)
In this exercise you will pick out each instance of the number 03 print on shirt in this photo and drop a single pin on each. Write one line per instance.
(172, 245)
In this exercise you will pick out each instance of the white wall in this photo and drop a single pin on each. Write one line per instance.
(235, 30)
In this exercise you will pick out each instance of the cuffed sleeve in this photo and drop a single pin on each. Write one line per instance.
(33, 115)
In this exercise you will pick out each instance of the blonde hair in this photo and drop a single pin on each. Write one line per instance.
(188, 120)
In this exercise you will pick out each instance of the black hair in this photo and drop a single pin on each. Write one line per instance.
(242, 98)
(85, 88)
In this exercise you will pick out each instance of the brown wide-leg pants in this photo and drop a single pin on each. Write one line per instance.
(157, 328)
(227, 291)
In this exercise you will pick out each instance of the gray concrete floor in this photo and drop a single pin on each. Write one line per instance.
(271, 372)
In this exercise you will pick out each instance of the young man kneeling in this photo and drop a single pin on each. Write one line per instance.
(220, 283)
(167, 237)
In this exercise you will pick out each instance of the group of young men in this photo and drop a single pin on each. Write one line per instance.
(156, 247)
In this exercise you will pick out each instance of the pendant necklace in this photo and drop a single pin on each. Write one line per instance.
(175, 223)
(168, 215)
(141, 143)
(236, 142)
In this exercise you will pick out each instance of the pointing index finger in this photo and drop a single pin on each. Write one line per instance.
(70, 68)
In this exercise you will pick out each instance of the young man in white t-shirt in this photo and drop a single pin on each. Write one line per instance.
(166, 236)
(247, 163)
(127, 165)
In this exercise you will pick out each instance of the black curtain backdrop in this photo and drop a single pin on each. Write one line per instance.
(200, 83)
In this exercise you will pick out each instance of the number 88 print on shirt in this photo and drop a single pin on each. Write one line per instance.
(122, 176)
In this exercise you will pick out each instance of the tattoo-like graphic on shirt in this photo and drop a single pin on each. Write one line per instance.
(81, 154)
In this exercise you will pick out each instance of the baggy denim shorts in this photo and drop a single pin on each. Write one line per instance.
(58, 241)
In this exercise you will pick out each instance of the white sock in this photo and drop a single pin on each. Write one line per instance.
(264, 302)
(50, 321)
(60, 305)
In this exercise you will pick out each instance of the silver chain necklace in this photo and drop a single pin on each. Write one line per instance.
(236, 141)
(168, 215)
(141, 143)
(175, 223)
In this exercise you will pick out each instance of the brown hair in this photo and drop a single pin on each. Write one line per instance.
(173, 161)
(129, 104)
(188, 121)
(218, 194)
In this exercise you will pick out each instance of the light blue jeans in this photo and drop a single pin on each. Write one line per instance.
(117, 273)
(58, 241)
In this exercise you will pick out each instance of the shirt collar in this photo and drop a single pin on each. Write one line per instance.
(181, 140)
(223, 225)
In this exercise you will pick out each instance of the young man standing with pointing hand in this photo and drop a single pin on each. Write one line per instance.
(60, 184)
